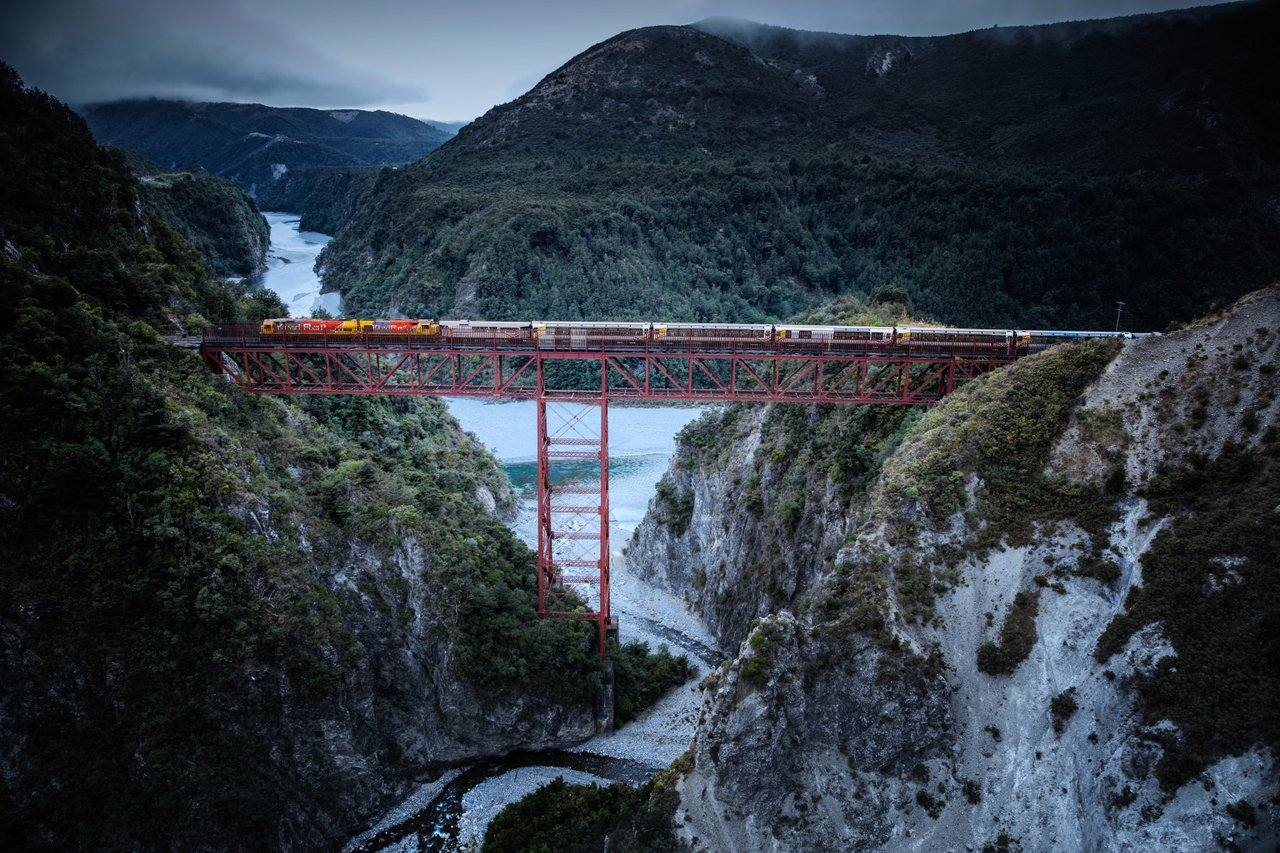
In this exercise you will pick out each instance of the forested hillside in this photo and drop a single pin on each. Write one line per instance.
(212, 213)
(227, 622)
(290, 158)
(1032, 176)
(325, 197)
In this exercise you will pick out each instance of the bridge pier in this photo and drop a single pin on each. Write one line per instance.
(605, 708)
(573, 518)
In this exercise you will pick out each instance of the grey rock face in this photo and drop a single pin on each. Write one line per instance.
(734, 561)
(817, 737)
(819, 753)
(319, 738)
(404, 707)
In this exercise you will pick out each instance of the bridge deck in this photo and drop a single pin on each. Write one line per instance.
(706, 370)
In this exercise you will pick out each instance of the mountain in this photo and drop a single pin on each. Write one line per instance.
(279, 154)
(1032, 175)
(449, 127)
(250, 142)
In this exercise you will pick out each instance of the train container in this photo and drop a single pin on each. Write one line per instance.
(592, 335)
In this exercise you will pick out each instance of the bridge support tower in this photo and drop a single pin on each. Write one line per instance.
(573, 512)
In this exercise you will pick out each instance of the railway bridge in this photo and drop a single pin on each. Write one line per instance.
(573, 371)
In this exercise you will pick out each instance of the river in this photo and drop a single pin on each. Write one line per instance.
(291, 264)
(452, 812)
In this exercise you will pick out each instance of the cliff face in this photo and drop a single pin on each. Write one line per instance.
(214, 215)
(315, 638)
(696, 521)
(812, 741)
(1046, 627)
(756, 505)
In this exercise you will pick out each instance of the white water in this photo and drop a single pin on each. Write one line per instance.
(291, 264)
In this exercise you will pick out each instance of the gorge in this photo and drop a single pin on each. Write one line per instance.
(1040, 614)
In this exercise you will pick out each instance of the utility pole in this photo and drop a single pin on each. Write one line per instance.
(1119, 308)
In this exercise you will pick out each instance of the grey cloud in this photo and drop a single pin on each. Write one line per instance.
(929, 17)
(92, 50)
(331, 53)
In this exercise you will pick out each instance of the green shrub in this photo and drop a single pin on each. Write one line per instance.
(932, 805)
(1062, 708)
(756, 670)
(560, 818)
(1209, 582)
(1244, 812)
(641, 677)
(1002, 428)
(1104, 570)
(790, 511)
(1017, 637)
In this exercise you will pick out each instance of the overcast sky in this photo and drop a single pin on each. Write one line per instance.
(441, 60)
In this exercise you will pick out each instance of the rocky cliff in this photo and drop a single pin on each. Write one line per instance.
(322, 630)
(756, 505)
(1049, 624)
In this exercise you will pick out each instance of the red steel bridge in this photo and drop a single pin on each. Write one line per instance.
(574, 370)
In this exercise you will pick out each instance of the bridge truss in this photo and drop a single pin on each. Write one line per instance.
(571, 386)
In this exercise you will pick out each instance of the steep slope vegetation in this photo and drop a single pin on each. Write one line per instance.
(756, 503)
(1032, 176)
(325, 197)
(226, 622)
(1048, 624)
(214, 215)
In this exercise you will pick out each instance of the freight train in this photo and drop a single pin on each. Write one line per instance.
(550, 334)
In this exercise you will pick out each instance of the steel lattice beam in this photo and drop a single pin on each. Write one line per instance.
(573, 533)
(714, 377)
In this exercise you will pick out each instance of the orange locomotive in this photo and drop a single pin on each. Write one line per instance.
(309, 326)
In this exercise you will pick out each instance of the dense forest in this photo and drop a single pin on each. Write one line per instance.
(1033, 176)
(229, 622)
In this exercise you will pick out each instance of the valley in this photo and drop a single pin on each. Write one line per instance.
(1036, 613)
(453, 811)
